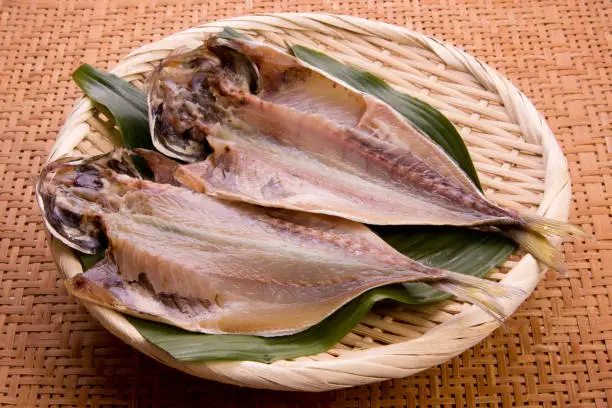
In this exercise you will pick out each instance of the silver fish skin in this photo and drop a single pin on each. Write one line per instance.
(307, 142)
(208, 265)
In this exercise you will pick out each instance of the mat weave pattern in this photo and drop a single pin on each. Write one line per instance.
(551, 353)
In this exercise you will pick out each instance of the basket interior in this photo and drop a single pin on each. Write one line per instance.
(511, 170)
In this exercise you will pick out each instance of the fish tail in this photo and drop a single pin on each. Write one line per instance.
(540, 247)
(547, 226)
(533, 237)
(481, 292)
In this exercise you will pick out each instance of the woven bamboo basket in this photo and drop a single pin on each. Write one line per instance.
(518, 159)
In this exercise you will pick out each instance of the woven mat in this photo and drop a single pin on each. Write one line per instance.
(553, 351)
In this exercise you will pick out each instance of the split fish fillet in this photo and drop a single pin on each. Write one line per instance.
(208, 265)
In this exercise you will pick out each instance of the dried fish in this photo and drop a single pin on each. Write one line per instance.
(208, 265)
(260, 126)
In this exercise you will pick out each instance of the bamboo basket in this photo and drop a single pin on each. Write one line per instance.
(517, 157)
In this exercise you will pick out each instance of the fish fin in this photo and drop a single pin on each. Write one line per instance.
(478, 291)
(83, 288)
(540, 247)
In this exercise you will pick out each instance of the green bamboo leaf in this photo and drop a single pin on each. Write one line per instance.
(126, 103)
(463, 250)
(89, 260)
(229, 32)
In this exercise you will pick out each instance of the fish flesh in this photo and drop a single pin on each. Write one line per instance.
(257, 125)
(184, 258)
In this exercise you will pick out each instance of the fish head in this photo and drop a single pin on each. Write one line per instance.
(231, 54)
(72, 193)
(181, 104)
(190, 93)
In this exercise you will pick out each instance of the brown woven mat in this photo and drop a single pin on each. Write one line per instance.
(553, 352)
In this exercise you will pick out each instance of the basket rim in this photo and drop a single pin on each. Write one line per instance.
(359, 366)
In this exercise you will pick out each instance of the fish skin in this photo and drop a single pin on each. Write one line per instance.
(311, 143)
(235, 267)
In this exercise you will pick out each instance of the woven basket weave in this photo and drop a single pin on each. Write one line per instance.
(518, 159)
